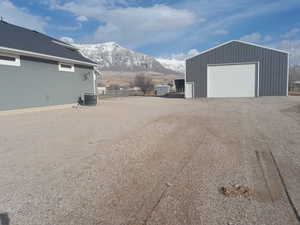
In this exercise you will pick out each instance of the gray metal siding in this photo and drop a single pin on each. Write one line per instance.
(272, 67)
(39, 83)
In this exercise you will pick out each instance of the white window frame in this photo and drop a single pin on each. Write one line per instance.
(17, 61)
(63, 69)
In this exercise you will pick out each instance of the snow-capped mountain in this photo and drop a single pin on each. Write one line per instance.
(177, 61)
(173, 64)
(112, 57)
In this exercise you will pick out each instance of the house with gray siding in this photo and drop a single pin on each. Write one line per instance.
(37, 70)
(237, 69)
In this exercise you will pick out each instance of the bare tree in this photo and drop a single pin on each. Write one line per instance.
(143, 82)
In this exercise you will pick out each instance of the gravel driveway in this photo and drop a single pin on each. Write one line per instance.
(134, 161)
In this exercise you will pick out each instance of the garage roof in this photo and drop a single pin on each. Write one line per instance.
(21, 40)
(244, 42)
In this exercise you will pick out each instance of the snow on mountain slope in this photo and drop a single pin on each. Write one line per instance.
(112, 57)
(173, 64)
(177, 61)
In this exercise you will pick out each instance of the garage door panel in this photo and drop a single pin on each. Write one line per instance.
(231, 80)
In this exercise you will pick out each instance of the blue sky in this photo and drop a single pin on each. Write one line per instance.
(167, 28)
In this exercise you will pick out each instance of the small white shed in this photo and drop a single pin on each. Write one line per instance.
(101, 90)
(161, 90)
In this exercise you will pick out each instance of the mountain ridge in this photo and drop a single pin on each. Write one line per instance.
(111, 56)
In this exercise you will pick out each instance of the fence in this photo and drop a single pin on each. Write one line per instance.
(119, 93)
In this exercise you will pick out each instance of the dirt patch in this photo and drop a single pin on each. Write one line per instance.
(236, 190)
(293, 109)
(292, 112)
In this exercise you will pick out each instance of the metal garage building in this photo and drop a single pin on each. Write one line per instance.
(237, 69)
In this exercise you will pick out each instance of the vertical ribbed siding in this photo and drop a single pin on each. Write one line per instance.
(272, 67)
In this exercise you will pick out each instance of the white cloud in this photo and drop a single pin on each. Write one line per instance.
(256, 38)
(154, 19)
(138, 26)
(183, 56)
(192, 52)
(293, 47)
(68, 28)
(82, 19)
(67, 40)
(21, 17)
(291, 43)
(108, 32)
(268, 38)
(295, 32)
(123, 22)
(224, 14)
(220, 32)
(132, 26)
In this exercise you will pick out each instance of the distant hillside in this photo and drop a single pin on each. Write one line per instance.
(112, 57)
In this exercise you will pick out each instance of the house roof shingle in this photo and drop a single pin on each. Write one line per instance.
(19, 38)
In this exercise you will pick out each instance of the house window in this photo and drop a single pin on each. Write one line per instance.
(10, 60)
(64, 67)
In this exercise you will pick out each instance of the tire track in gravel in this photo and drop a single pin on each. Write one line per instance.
(185, 143)
(271, 201)
(140, 167)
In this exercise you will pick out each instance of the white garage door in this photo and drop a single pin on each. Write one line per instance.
(231, 80)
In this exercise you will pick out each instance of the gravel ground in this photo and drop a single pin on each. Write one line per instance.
(153, 161)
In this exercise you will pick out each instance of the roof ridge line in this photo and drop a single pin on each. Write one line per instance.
(240, 41)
